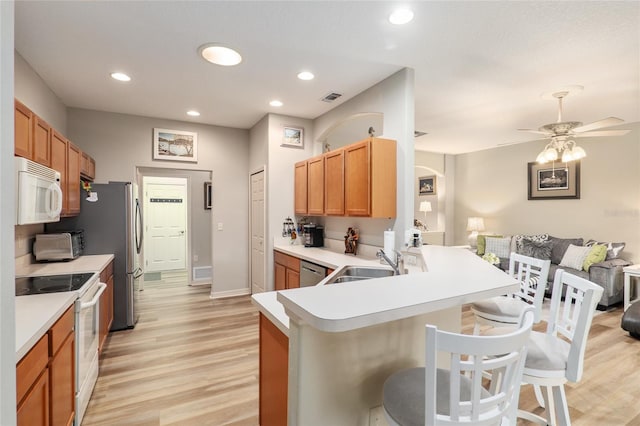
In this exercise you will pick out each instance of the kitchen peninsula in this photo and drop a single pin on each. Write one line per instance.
(345, 339)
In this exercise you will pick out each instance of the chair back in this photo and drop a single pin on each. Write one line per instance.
(470, 356)
(571, 317)
(532, 274)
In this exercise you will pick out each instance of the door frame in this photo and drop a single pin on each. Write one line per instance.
(267, 238)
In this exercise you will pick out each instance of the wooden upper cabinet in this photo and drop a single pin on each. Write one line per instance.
(315, 185)
(300, 188)
(73, 179)
(87, 167)
(59, 162)
(334, 182)
(41, 141)
(23, 131)
(370, 178)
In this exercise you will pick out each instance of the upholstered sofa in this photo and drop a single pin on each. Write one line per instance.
(606, 273)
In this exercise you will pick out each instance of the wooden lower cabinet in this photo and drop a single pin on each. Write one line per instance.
(34, 408)
(106, 306)
(62, 384)
(286, 271)
(274, 376)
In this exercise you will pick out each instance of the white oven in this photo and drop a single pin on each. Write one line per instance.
(87, 317)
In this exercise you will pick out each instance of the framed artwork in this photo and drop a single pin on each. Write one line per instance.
(175, 145)
(427, 185)
(550, 182)
(207, 196)
(293, 136)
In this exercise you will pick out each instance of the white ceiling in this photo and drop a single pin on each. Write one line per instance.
(480, 67)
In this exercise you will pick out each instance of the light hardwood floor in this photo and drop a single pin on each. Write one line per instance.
(194, 361)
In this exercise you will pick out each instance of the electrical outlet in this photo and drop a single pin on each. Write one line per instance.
(220, 226)
(195, 257)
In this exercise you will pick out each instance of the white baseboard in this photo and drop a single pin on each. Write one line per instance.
(230, 293)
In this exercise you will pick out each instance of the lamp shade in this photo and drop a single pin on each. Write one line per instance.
(475, 224)
(425, 206)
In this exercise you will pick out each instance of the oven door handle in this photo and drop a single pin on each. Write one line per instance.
(95, 299)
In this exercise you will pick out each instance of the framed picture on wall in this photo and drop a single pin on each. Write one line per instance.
(293, 136)
(175, 145)
(207, 196)
(427, 185)
(551, 182)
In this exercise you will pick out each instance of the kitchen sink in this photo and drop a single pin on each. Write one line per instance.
(359, 273)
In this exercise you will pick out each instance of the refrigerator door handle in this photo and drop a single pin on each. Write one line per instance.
(139, 230)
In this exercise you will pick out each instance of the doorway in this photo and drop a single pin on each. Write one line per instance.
(257, 260)
(165, 207)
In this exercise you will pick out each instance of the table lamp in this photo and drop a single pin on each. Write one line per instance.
(425, 206)
(475, 225)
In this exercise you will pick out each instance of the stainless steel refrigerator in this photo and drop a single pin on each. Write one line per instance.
(113, 224)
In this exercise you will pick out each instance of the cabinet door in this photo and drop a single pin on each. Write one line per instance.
(280, 272)
(59, 163)
(300, 188)
(61, 375)
(34, 409)
(73, 180)
(41, 141)
(357, 179)
(293, 279)
(315, 186)
(334, 182)
(87, 167)
(274, 374)
(23, 128)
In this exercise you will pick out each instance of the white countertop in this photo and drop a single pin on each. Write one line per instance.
(35, 314)
(323, 256)
(454, 277)
(93, 263)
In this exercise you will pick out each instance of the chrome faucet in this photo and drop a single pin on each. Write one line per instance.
(397, 266)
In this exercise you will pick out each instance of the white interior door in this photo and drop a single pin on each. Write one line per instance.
(165, 211)
(257, 233)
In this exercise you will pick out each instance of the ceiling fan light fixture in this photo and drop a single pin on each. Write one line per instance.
(540, 159)
(578, 153)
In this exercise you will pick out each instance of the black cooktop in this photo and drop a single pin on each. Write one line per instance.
(51, 283)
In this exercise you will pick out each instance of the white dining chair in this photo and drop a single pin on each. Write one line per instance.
(506, 310)
(557, 355)
(435, 396)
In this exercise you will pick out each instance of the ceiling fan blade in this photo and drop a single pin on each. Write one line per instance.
(606, 122)
(536, 132)
(602, 133)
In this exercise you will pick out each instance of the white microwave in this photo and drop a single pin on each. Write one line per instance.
(38, 193)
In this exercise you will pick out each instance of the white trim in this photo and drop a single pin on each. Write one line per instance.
(229, 293)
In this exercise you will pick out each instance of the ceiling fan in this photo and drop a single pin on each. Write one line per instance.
(562, 133)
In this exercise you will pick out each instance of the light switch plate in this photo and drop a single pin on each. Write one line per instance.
(220, 226)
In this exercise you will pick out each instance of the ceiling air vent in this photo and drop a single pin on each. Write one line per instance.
(331, 97)
(417, 133)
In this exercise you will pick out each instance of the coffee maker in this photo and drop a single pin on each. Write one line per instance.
(313, 235)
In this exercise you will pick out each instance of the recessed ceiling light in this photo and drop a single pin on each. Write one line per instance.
(220, 55)
(276, 103)
(193, 113)
(306, 75)
(120, 76)
(401, 16)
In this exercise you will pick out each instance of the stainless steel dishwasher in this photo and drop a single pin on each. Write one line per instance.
(311, 274)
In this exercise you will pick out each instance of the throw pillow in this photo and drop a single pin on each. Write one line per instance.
(559, 247)
(481, 243)
(520, 238)
(613, 249)
(498, 246)
(597, 253)
(537, 249)
(574, 256)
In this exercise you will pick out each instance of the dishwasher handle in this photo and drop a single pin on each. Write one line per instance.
(313, 271)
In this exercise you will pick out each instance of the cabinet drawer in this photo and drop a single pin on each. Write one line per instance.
(31, 366)
(61, 329)
(289, 261)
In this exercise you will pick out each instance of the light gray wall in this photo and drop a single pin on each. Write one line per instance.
(493, 184)
(7, 220)
(393, 97)
(119, 143)
(259, 144)
(32, 91)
